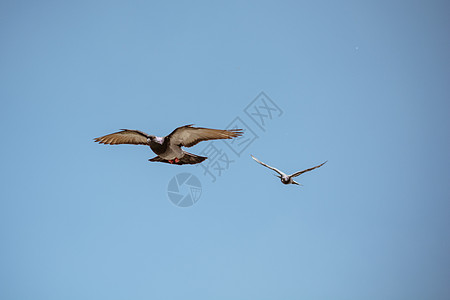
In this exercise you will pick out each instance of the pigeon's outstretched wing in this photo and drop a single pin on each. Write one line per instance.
(189, 136)
(265, 165)
(307, 170)
(126, 136)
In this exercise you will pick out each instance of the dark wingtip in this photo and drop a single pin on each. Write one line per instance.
(236, 132)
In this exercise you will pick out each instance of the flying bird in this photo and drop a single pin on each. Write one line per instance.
(168, 149)
(287, 179)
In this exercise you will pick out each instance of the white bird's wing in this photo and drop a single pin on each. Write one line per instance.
(307, 170)
(189, 136)
(265, 165)
(126, 136)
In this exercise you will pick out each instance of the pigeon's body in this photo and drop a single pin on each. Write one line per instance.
(168, 149)
(167, 154)
(158, 145)
(287, 179)
(161, 147)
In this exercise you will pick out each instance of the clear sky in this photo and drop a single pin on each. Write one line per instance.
(362, 84)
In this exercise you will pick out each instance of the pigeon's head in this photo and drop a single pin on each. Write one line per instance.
(156, 139)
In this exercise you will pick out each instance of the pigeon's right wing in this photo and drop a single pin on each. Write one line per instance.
(189, 136)
(272, 168)
(126, 136)
(307, 170)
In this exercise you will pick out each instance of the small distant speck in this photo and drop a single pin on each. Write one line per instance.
(357, 48)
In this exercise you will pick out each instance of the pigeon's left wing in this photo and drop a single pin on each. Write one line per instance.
(265, 165)
(126, 136)
(307, 170)
(189, 136)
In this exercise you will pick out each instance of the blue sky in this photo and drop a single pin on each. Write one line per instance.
(364, 85)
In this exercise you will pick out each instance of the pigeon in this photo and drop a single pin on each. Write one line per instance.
(287, 179)
(168, 149)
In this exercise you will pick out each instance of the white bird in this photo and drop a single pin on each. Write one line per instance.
(287, 179)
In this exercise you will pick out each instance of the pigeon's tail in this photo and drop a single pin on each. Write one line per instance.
(187, 159)
(191, 159)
